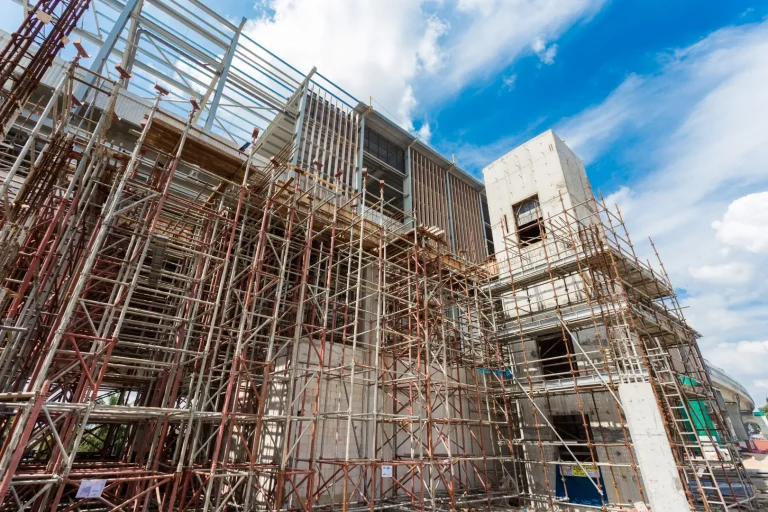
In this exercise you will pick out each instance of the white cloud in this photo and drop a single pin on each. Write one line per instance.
(407, 104)
(407, 53)
(545, 53)
(431, 56)
(593, 130)
(745, 359)
(538, 45)
(692, 138)
(424, 132)
(745, 223)
(733, 272)
(374, 51)
(497, 31)
(509, 82)
(622, 197)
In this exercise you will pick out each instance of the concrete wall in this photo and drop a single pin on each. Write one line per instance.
(547, 168)
(544, 166)
(621, 483)
(375, 428)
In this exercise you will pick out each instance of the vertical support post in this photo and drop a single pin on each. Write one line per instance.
(408, 185)
(360, 179)
(222, 80)
(109, 44)
(483, 222)
(300, 122)
(450, 212)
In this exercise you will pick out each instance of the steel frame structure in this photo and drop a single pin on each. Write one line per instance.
(204, 328)
(199, 341)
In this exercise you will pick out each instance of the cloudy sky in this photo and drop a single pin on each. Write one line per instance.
(664, 101)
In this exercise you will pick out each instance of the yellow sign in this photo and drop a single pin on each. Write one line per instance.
(590, 471)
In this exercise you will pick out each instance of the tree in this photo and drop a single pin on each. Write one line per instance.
(97, 434)
(764, 408)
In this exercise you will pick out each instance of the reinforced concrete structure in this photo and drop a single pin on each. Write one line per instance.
(616, 404)
(228, 285)
(735, 400)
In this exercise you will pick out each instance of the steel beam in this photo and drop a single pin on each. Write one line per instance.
(108, 45)
(302, 108)
(223, 77)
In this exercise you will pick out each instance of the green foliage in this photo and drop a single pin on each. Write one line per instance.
(96, 435)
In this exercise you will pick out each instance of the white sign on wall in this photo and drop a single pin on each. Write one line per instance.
(386, 471)
(91, 488)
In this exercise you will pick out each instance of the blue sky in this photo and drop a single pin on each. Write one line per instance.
(664, 101)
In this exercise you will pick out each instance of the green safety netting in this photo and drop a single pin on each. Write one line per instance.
(697, 410)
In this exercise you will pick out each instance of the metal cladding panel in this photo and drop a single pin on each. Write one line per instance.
(330, 136)
(57, 71)
(467, 221)
(127, 108)
(430, 193)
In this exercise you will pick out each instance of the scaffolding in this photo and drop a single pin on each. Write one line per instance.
(582, 314)
(31, 51)
(201, 329)
(196, 321)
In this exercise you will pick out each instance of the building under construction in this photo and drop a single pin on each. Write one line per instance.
(228, 285)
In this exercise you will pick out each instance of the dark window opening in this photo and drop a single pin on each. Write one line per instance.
(529, 221)
(570, 427)
(487, 227)
(384, 149)
(530, 233)
(393, 188)
(553, 353)
(484, 208)
(491, 249)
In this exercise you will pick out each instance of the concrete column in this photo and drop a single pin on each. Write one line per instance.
(661, 480)
(734, 417)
